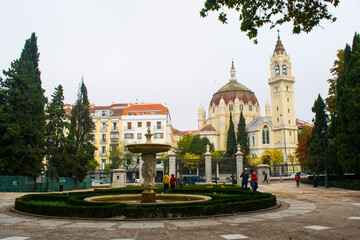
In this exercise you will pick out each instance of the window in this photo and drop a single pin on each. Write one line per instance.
(103, 137)
(103, 113)
(128, 136)
(277, 108)
(277, 119)
(129, 125)
(288, 99)
(241, 107)
(290, 133)
(148, 124)
(114, 136)
(114, 125)
(287, 88)
(265, 135)
(231, 107)
(139, 124)
(289, 110)
(158, 125)
(250, 107)
(289, 121)
(253, 138)
(102, 163)
(103, 126)
(139, 136)
(284, 69)
(277, 70)
(158, 135)
(103, 150)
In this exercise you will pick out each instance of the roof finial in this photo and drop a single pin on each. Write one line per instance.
(278, 34)
(232, 72)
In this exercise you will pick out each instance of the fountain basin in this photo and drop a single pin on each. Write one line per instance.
(148, 148)
(135, 199)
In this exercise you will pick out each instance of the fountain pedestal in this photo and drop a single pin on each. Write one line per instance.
(148, 196)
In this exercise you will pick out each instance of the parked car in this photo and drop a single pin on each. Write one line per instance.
(192, 179)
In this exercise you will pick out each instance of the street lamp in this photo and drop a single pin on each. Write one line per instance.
(50, 141)
(323, 132)
(285, 155)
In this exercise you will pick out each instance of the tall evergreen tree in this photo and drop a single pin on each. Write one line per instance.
(22, 115)
(316, 141)
(78, 145)
(231, 140)
(241, 134)
(55, 132)
(347, 121)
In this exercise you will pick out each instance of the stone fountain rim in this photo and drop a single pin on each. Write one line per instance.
(201, 198)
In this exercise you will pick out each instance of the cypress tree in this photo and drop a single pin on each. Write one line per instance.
(231, 140)
(316, 141)
(347, 122)
(79, 148)
(22, 115)
(56, 125)
(242, 135)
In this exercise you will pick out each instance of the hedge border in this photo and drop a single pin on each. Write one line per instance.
(237, 201)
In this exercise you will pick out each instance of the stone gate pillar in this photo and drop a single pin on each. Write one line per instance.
(263, 170)
(118, 178)
(172, 162)
(239, 164)
(208, 165)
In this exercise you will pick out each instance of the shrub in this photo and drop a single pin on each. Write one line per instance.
(225, 200)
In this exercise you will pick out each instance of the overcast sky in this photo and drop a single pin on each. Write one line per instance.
(163, 51)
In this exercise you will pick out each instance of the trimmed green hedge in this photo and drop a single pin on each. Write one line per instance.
(225, 200)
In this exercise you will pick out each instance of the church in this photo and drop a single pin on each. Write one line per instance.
(276, 130)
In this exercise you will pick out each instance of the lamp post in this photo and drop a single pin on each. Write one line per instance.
(323, 132)
(285, 155)
(50, 142)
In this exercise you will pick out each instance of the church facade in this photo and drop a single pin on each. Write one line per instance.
(276, 130)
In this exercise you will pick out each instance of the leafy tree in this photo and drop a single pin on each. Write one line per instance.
(78, 145)
(241, 134)
(192, 163)
(22, 117)
(115, 157)
(347, 121)
(254, 14)
(302, 151)
(292, 159)
(316, 142)
(55, 132)
(183, 145)
(253, 160)
(194, 145)
(231, 140)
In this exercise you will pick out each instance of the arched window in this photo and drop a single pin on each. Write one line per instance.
(231, 107)
(250, 107)
(266, 135)
(284, 69)
(277, 70)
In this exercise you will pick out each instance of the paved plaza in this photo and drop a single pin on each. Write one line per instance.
(304, 213)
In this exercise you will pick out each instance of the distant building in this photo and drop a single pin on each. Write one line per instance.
(276, 130)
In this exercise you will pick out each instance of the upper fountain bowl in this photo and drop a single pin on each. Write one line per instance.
(148, 148)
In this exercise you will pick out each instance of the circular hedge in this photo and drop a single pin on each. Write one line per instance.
(225, 200)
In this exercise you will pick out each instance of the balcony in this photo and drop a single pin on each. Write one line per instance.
(114, 139)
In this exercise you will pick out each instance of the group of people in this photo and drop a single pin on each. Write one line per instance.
(167, 180)
(245, 179)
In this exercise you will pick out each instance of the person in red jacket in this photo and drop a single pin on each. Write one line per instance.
(297, 179)
(253, 180)
(172, 181)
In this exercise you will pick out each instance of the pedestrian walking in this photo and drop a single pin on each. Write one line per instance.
(265, 178)
(253, 180)
(172, 181)
(166, 181)
(245, 178)
(297, 179)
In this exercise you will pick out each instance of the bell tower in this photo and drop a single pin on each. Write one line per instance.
(281, 84)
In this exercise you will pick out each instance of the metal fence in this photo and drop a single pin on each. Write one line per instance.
(31, 184)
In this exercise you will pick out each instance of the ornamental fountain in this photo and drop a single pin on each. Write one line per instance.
(148, 152)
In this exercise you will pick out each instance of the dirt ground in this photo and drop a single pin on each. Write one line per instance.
(304, 213)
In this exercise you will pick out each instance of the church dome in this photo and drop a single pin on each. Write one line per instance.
(232, 90)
